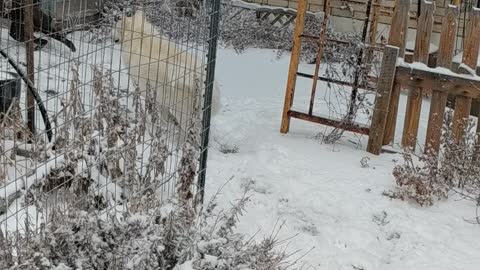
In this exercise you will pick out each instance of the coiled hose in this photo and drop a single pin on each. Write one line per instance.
(33, 92)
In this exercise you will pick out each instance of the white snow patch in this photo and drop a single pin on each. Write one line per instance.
(321, 191)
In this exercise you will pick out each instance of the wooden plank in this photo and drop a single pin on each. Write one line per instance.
(392, 113)
(318, 59)
(325, 79)
(398, 38)
(420, 54)
(28, 15)
(372, 32)
(439, 99)
(348, 126)
(455, 84)
(448, 37)
(470, 56)
(424, 32)
(460, 117)
(399, 26)
(382, 100)
(294, 60)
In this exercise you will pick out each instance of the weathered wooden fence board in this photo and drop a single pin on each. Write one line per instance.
(420, 54)
(397, 37)
(470, 56)
(382, 100)
(439, 99)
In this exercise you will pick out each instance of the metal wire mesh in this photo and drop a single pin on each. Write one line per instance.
(123, 101)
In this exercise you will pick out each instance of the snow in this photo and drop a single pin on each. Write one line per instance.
(459, 58)
(328, 201)
(441, 70)
(410, 46)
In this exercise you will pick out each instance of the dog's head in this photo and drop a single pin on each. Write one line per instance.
(130, 26)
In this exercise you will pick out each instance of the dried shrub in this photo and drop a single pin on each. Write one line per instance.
(153, 238)
(426, 178)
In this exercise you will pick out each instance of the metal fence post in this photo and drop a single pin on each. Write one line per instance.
(213, 6)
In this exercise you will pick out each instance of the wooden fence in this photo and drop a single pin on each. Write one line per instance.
(417, 78)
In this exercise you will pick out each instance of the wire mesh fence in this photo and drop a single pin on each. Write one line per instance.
(101, 106)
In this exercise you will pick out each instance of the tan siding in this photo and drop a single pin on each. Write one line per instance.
(357, 9)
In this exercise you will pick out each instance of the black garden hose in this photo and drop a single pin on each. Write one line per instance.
(33, 91)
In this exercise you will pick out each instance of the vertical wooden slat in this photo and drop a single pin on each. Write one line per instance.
(420, 54)
(28, 16)
(470, 56)
(382, 100)
(372, 32)
(372, 35)
(439, 99)
(318, 59)
(399, 26)
(398, 38)
(294, 60)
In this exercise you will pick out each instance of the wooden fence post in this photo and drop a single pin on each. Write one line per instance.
(372, 32)
(420, 54)
(439, 99)
(321, 43)
(397, 37)
(382, 100)
(294, 60)
(470, 56)
(28, 20)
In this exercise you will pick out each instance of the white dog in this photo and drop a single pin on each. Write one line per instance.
(171, 72)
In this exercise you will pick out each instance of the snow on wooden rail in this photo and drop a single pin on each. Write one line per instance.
(441, 79)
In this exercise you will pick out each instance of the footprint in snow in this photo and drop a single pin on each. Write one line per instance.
(380, 219)
(257, 186)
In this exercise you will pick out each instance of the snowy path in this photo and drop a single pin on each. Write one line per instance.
(321, 191)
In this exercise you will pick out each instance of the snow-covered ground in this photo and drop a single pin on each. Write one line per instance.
(327, 200)
(332, 206)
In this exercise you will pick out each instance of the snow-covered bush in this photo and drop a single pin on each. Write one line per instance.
(164, 237)
(242, 29)
(426, 178)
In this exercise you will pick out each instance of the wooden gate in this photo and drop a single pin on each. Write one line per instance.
(368, 38)
(417, 78)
